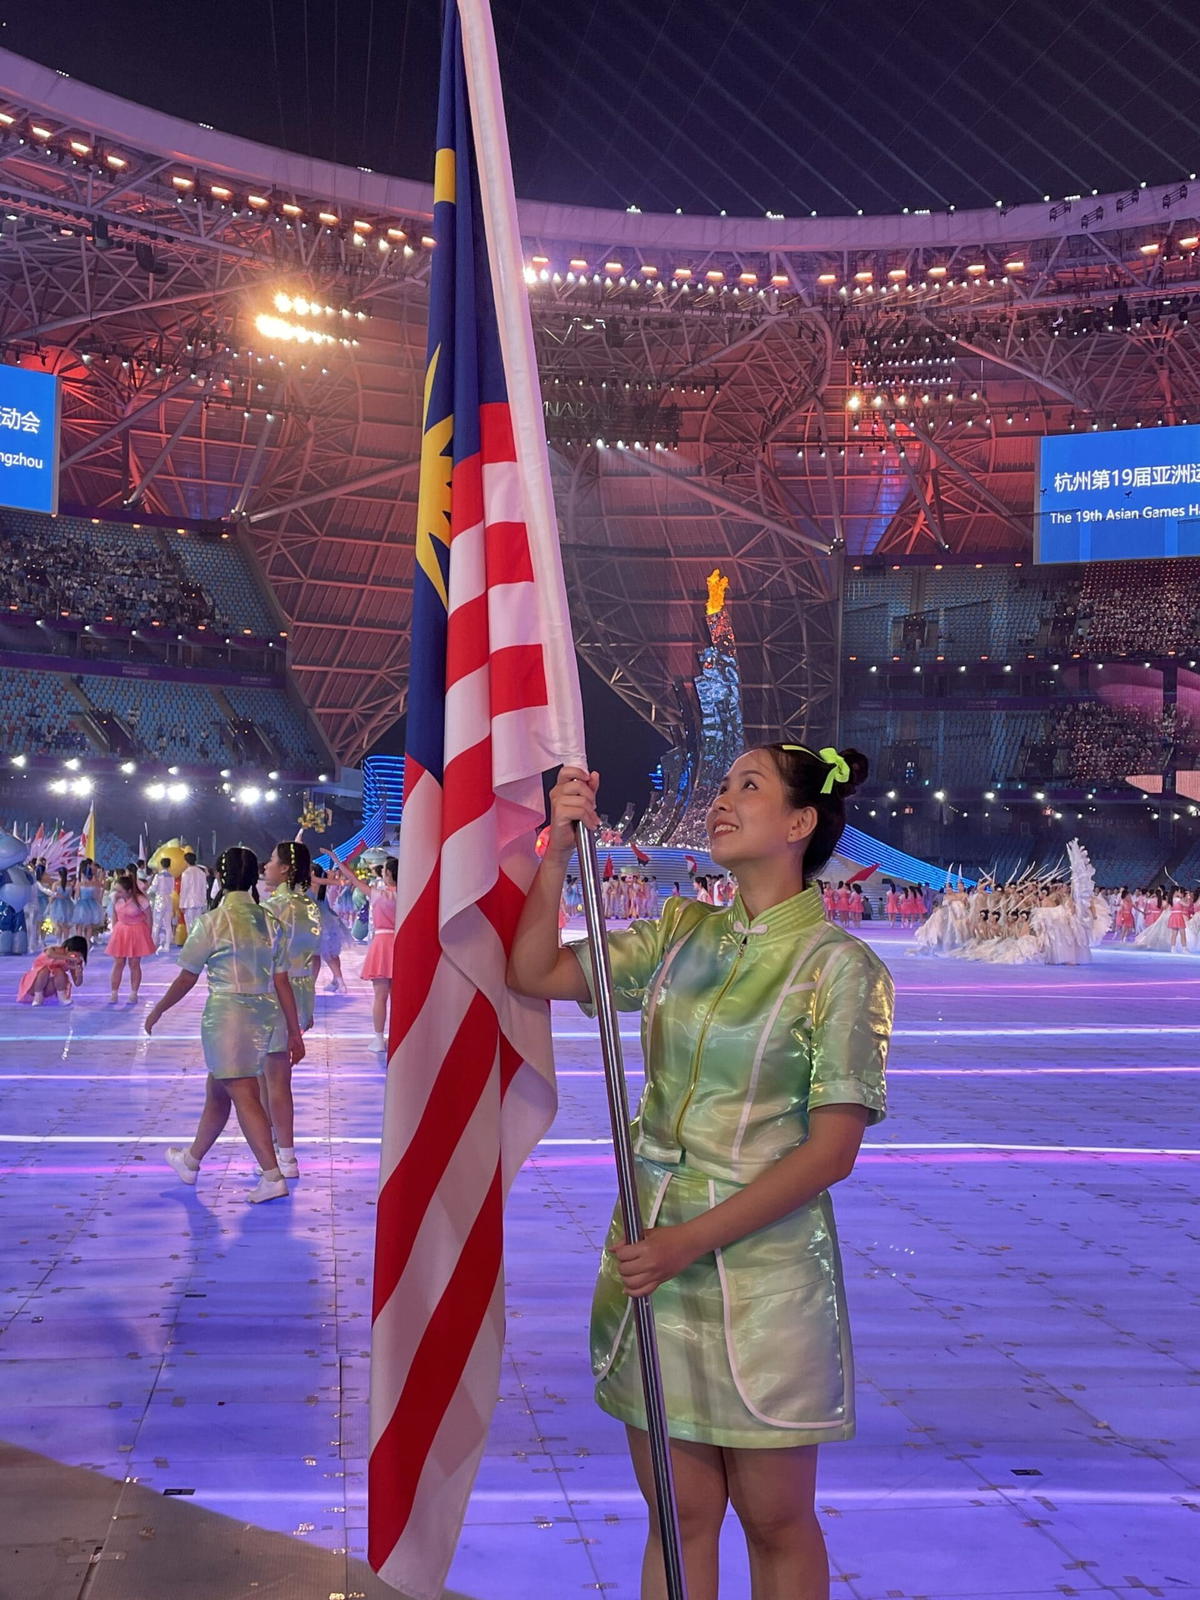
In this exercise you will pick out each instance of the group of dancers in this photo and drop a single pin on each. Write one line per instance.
(1055, 919)
(1157, 919)
(136, 912)
(1032, 922)
(260, 939)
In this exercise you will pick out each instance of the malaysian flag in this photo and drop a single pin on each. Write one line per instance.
(493, 701)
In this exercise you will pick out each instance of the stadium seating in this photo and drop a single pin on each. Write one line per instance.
(36, 711)
(221, 569)
(280, 721)
(1187, 869)
(172, 721)
(136, 575)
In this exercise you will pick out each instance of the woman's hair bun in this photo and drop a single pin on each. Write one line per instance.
(859, 766)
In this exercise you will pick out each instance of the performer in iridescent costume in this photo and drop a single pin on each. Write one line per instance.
(240, 946)
(765, 1032)
(287, 875)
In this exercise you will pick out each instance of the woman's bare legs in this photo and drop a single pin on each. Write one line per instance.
(118, 972)
(135, 976)
(242, 1094)
(701, 1496)
(379, 1005)
(772, 1493)
(277, 1082)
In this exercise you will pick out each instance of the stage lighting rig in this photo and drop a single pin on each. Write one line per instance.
(299, 318)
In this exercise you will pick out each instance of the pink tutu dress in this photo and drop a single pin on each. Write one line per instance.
(131, 934)
(55, 963)
(383, 925)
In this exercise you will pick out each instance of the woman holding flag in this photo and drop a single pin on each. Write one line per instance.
(765, 1032)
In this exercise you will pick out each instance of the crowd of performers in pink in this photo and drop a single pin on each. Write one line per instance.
(1157, 919)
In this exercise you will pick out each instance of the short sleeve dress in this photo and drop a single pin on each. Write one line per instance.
(296, 912)
(240, 946)
(748, 1024)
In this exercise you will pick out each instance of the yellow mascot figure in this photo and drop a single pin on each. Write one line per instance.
(171, 856)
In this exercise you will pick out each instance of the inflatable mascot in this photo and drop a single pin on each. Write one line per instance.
(170, 857)
(16, 890)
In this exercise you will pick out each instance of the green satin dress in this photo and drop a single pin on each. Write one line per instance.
(748, 1023)
(297, 914)
(240, 946)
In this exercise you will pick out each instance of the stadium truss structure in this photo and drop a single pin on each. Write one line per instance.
(240, 336)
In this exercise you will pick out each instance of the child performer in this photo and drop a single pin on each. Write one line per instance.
(162, 889)
(287, 875)
(377, 968)
(765, 1033)
(131, 938)
(87, 914)
(54, 972)
(240, 945)
(334, 937)
(60, 909)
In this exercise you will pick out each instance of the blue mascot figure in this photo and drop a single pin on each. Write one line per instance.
(16, 890)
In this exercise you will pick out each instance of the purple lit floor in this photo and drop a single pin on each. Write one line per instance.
(1020, 1249)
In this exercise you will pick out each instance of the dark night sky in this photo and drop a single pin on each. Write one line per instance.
(784, 105)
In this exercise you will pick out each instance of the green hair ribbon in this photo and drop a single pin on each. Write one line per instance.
(839, 769)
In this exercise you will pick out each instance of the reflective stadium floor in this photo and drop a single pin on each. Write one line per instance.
(183, 1377)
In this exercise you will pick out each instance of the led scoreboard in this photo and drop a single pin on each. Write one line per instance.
(1113, 496)
(29, 417)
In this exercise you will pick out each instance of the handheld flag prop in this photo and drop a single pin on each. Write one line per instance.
(493, 701)
(87, 843)
(863, 874)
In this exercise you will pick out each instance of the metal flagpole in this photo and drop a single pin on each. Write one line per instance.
(631, 1213)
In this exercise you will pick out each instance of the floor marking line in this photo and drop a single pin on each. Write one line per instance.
(373, 1139)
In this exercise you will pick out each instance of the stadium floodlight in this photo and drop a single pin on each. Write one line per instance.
(156, 791)
(177, 792)
(58, 786)
(19, 761)
(939, 794)
(249, 795)
(72, 764)
(128, 766)
(81, 786)
(274, 777)
(271, 796)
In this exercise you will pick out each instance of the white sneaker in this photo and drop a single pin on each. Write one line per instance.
(288, 1166)
(267, 1189)
(37, 1000)
(379, 1044)
(66, 1000)
(184, 1171)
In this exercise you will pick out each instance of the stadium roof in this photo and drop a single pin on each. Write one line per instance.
(783, 396)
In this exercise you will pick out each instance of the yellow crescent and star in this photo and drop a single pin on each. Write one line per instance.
(437, 441)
